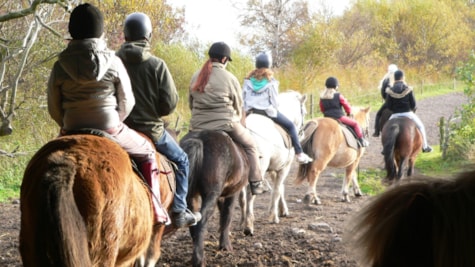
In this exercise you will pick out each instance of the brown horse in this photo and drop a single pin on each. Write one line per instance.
(425, 222)
(402, 142)
(82, 204)
(327, 145)
(219, 170)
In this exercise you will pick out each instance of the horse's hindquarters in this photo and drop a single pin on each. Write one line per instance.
(80, 196)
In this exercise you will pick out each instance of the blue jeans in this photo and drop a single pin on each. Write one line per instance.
(290, 127)
(170, 148)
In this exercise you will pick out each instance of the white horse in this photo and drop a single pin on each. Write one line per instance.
(276, 156)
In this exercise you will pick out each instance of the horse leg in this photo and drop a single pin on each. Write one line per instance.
(311, 196)
(243, 206)
(282, 175)
(226, 207)
(248, 221)
(198, 231)
(350, 178)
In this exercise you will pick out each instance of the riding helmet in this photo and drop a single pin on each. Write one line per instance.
(137, 26)
(398, 75)
(331, 82)
(263, 60)
(220, 50)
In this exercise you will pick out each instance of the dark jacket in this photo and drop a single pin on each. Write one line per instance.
(154, 89)
(400, 98)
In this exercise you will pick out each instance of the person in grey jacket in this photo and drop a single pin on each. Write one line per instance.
(215, 101)
(260, 93)
(89, 88)
(155, 96)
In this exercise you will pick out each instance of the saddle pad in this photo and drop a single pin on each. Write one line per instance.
(350, 137)
(308, 130)
(285, 135)
(169, 169)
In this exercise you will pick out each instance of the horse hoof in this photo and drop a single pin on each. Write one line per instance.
(248, 232)
(346, 199)
(306, 200)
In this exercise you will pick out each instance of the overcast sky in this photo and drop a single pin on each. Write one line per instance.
(216, 20)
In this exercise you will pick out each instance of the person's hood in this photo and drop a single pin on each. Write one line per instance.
(87, 59)
(399, 90)
(135, 52)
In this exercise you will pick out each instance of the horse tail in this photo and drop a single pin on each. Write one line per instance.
(307, 146)
(388, 150)
(193, 146)
(62, 226)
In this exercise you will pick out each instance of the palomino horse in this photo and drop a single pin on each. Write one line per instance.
(327, 145)
(82, 204)
(276, 155)
(402, 142)
(219, 170)
(425, 222)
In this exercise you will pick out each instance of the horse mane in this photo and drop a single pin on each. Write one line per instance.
(425, 222)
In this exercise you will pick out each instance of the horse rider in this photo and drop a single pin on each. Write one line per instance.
(215, 100)
(383, 85)
(260, 93)
(156, 96)
(89, 88)
(331, 104)
(401, 101)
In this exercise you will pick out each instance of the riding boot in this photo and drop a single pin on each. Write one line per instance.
(149, 170)
(255, 176)
(376, 125)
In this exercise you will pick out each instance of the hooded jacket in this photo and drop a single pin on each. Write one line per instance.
(89, 87)
(261, 95)
(153, 86)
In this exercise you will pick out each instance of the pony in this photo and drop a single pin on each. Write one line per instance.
(425, 222)
(277, 154)
(325, 142)
(82, 204)
(219, 170)
(402, 142)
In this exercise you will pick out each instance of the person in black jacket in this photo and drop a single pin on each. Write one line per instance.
(384, 84)
(401, 101)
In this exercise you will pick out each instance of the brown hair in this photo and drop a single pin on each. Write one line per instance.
(203, 77)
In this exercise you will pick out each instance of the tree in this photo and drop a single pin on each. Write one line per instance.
(19, 32)
(274, 25)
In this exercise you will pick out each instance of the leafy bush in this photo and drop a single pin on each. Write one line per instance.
(462, 136)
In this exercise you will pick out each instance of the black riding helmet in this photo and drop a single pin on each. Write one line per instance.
(137, 26)
(220, 50)
(263, 60)
(331, 82)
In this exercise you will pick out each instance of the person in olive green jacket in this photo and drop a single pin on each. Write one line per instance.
(156, 96)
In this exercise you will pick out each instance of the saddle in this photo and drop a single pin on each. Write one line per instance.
(283, 132)
(349, 134)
